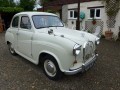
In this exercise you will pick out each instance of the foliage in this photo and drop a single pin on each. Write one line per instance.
(9, 6)
(112, 7)
(51, 11)
(7, 3)
(11, 9)
(89, 31)
(93, 21)
(27, 5)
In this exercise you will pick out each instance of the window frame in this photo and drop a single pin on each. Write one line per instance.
(95, 13)
(21, 20)
(46, 15)
(13, 20)
(73, 14)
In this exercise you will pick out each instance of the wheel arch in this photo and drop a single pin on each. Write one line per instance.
(9, 38)
(45, 53)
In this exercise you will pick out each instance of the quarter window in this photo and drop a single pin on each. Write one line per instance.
(15, 22)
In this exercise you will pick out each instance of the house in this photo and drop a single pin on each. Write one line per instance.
(67, 10)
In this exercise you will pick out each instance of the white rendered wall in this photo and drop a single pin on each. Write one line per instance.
(84, 7)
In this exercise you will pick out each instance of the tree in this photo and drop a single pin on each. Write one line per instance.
(27, 5)
(7, 3)
(112, 8)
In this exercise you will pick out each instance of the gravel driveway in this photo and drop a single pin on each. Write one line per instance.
(16, 73)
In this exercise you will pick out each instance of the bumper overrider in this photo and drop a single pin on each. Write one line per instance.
(84, 66)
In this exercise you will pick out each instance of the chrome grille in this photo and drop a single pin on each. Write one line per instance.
(88, 50)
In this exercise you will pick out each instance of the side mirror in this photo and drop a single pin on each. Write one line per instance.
(50, 31)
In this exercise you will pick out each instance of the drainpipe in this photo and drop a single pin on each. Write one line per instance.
(43, 3)
(78, 17)
(43, 6)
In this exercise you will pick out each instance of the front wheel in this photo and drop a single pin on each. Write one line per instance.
(11, 49)
(51, 68)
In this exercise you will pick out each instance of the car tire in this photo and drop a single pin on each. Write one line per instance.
(51, 68)
(11, 49)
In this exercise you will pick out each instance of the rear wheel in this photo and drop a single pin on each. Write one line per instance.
(51, 68)
(11, 49)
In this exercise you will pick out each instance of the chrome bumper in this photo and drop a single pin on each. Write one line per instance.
(83, 68)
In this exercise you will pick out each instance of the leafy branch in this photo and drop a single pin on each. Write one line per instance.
(112, 7)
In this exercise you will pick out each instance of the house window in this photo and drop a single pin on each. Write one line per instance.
(95, 13)
(75, 14)
(72, 14)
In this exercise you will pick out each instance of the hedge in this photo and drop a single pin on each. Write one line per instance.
(11, 9)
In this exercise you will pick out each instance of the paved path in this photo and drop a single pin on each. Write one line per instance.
(16, 73)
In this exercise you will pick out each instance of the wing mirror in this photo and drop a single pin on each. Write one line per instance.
(50, 31)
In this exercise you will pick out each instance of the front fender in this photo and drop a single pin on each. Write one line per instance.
(9, 37)
(63, 56)
(59, 47)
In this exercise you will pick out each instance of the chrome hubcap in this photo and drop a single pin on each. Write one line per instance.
(11, 49)
(50, 68)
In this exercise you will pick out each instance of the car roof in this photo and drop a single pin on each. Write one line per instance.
(35, 13)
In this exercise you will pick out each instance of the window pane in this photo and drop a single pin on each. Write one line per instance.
(92, 13)
(44, 21)
(25, 23)
(15, 22)
(75, 14)
(98, 13)
(71, 14)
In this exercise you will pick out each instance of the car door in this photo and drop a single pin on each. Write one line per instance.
(14, 30)
(25, 35)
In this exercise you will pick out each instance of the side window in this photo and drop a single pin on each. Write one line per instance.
(25, 22)
(15, 22)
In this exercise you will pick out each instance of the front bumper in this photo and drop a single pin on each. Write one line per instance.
(84, 67)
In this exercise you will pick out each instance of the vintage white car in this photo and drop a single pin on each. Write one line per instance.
(42, 39)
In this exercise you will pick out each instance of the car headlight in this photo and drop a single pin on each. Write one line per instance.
(76, 49)
(97, 41)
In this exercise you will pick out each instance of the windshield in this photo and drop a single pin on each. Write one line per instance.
(43, 21)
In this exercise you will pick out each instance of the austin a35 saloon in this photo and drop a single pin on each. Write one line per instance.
(42, 39)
